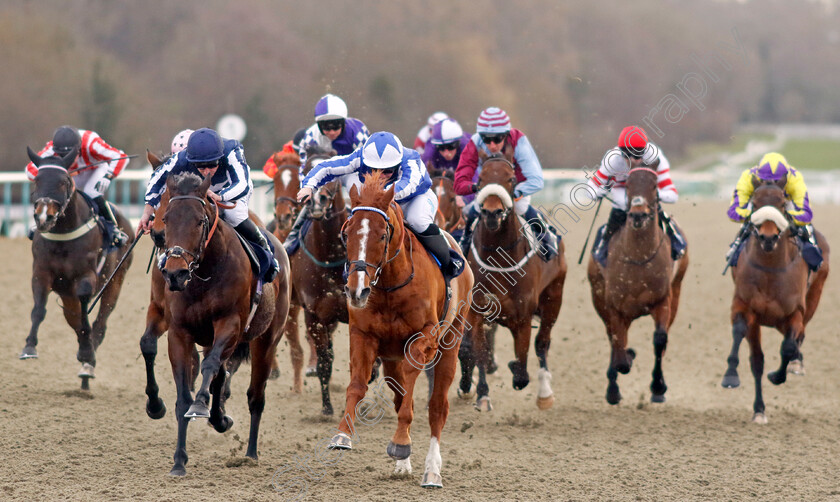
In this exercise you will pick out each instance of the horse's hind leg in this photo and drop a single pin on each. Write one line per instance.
(789, 350)
(438, 413)
(295, 350)
(757, 366)
(323, 342)
(417, 355)
(621, 358)
(661, 315)
(550, 301)
(466, 356)
(739, 330)
(76, 315)
(263, 350)
(40, 291)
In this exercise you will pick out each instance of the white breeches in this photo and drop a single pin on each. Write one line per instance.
(420, 211)
(238, 213)
(86, 180)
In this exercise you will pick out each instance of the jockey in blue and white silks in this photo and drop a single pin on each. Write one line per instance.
(383, 151)
(207, 154)
(333, 129)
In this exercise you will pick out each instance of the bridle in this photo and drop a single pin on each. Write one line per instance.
(69, 192)
(206, 234)
(362, 266)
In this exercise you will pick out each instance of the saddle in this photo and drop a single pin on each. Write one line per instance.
(259, 258)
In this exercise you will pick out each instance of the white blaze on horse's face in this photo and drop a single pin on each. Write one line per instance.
(363, 238)
(286, 177)
(439, 191)
(42, 215)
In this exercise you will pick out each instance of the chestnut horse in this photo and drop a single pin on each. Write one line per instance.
(68, 258)
(207, 301)
(396, 296)
(640, 279)
(511, 285)
(317, 274)
(772, 288)
(449, 213)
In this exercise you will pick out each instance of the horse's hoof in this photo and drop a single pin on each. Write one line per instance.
(340, 441)
(155, 413)
(86, 371)
(274, 375)
(777, 377)
(398, 451)
(465, 395)
(431, 480)
(223, 425)
(178, 472)
(545, 403)
(759, 418)
(613, 395)
(521, 383)
(657, 398)
(730, 381)
(28, 352)
(311, 371)
(402, 467)
(492, 366)
(197, 410)
(483, 404)
(796, 367)
(327, 410)
(631, 353)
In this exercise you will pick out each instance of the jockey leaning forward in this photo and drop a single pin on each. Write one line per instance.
(333, 129)
(494, 135)
(207, 154)
(774, 168)
(384, 152)
(633, 150)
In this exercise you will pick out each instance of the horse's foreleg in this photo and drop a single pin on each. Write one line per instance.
(662, 317)
(155, 326)
(550, 301)
(521, 343)
(218, 419)
(417, 355)
(757, 366)
(180, 348)
(40, 291)
(466, 355)
(395, 380)
(439, 411)
(225, 330)
(789, 350)
(482, 358)
(621, 358)
(263, 350)
(76, 316)
(323, 342)
(363, 350)
(739, 330)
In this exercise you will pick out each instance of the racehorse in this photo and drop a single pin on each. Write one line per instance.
(511, 286)
(317, 274)
(68, 258)
(208, 301)
(640, 279)
(286, 183)
(774, 288)
(396, 299)
(449, 213)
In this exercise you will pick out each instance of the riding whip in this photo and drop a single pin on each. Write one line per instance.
(98, 295)
(591, 226)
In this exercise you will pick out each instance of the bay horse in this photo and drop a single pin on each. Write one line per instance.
(773, 288)
(511, 286)
(317, 274)
(396, 299)
(69, 258)
(207, 302)
(449, 216)
(640, 279)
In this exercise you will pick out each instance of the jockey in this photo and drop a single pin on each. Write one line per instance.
(206, 152)
(333, 129)
(293, 146)
(494, 135)
(633, 150)
(179, 142)
(448, 141)
(425, 132)
(97, 163)
(412, 189)
(774, 167)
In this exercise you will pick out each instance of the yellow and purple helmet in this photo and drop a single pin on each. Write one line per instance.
(772, 167)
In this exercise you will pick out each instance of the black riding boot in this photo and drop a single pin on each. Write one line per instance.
(616, 221)
(248, 229)
(293, 239)
(470, 216)
(545, 233)
(115, 234)
(434, 241)
(811, 252)
(678, 244)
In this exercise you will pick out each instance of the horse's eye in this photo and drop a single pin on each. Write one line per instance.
(382, 237)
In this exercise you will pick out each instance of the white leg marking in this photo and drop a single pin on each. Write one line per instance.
(433, 460)
(403, 466)
(360, 283)
(545, 383)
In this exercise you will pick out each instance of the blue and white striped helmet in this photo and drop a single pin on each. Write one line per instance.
(330, 107)
(383, 150)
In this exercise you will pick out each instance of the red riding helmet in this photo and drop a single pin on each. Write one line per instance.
(633, 138)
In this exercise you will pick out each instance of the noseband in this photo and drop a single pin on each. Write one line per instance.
(206, 234)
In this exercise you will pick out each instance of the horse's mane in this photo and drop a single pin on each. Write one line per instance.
(185, 183)
(286, 158)
(373, 189)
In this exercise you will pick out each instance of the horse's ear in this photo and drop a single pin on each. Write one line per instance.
(153, 159)
(482, 155)
(781, 183)
(354, 195)
(34, 157)
(205, 185)
(508, 151)
(389, 194)
(68, 159)
(170, 184)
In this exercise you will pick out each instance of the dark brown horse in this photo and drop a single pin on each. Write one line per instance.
(68, 258)
(317, 274)
(772, 288)
(511, 286)
(396, 296)
(208, 302)
(640, 279)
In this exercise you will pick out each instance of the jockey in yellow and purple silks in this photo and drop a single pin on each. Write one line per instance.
(774, 167)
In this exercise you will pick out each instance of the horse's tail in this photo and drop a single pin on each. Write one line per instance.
(242, 353)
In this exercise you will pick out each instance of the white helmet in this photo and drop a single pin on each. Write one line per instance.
(446, 131)
(383, 150)
(435, 118)
(179, 142)
(330, 107)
